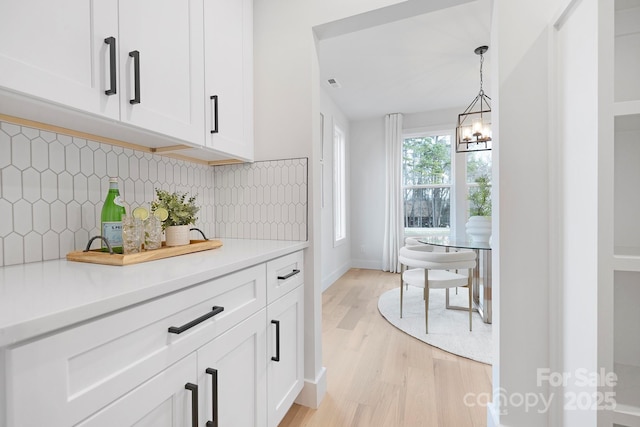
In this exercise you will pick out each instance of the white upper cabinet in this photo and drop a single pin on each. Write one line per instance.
(57, 51)
(140, 62)
(161, 66)
(228, 44)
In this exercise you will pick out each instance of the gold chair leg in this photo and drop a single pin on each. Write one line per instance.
(401, 288)
(402, 269)
(426, 301)
(470, 302)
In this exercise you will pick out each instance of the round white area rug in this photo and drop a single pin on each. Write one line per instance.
(448, 329)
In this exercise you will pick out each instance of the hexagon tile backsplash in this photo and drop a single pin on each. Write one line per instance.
(52, 187)
(262, 200)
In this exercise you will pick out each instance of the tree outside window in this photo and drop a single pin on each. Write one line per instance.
(427, 181)
(478, 170)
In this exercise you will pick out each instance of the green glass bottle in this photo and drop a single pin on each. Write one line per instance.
(111, 217)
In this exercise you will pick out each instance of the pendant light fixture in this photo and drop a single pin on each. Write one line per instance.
(473, 132)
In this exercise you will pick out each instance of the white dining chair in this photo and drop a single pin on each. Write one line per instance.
(431, 270)
(412, 241)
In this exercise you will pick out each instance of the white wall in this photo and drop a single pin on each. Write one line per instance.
(438, 120)
(522, 198)
(283, 128)
(286, 125)
(578, 124)
(336, 259)
(520, 185)
(367, 169)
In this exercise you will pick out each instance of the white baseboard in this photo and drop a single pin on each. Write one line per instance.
(313, 391)
(330, 279)
(366, 264)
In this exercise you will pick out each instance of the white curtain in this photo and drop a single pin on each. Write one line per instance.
(393, 221)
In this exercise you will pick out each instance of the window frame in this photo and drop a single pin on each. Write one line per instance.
(339, 185)
(426, 133)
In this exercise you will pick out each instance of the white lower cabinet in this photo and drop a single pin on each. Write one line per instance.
(232, 376)
(285, 337)
(166, 400)
(217, 354)
(285, 356)
(222, 384)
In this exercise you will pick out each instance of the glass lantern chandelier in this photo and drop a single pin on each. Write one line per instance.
(473, 132)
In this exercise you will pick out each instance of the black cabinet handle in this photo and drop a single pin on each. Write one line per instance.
(178, 330)
(136, 77)
(111, 41)
(276, 358)
(293, 273)
(194, 403)
(214, 397)
(215, 113)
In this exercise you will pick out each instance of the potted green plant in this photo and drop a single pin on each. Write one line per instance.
(479, 224)
(180, 214)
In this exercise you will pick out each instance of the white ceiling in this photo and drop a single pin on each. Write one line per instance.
(421, 63)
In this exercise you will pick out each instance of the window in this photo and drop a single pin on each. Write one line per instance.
(427, 183)
(339, 186)
(478, 167)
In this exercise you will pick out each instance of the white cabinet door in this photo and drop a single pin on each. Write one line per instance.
(161, 88)
(232, 376)
(167, 400)
(229, 76)
(285, 353)
(56, 50)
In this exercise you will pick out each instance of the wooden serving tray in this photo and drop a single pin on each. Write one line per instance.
(96, 256)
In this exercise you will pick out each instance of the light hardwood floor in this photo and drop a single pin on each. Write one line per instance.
(380, 376)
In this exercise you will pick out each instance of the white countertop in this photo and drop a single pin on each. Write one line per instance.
(39, 298)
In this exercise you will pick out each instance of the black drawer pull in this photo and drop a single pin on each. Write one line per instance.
(136, 77)
(194, 403)
(293, 273)
(276, 358)
(214, 397)
(178, 330)
(111, 41)
(214, 98)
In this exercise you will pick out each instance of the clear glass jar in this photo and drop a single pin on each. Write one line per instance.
(152, 233)
(132, 234)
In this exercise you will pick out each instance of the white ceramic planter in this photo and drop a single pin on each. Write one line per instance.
(177, 235)
(479, 228)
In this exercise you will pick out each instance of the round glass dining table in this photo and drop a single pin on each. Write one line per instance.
(481, 274)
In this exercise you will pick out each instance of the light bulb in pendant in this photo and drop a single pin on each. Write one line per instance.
(478, 126)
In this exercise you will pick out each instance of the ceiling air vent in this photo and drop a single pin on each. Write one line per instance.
(334, 83)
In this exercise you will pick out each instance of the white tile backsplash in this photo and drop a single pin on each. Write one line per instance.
(52, 187)
(262, 200)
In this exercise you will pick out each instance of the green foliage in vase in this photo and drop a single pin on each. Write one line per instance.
(480, 197)
(182, 210)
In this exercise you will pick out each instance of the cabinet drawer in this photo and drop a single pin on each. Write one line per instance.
(74, 373)
(284, 274)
